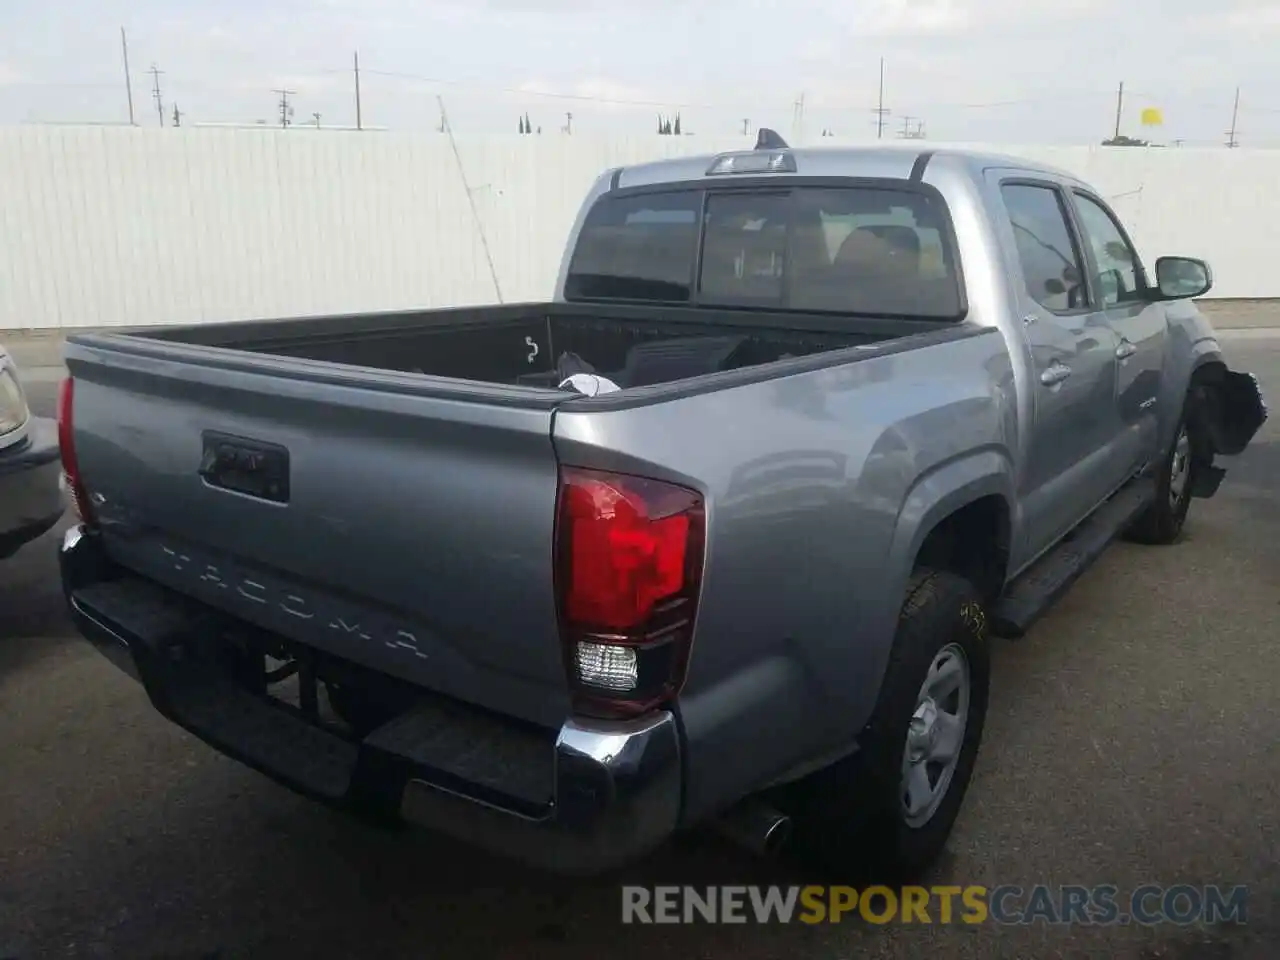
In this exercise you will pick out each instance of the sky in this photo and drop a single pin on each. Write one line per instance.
(983, 70)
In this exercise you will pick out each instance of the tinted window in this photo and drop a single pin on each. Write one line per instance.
(847, 250)
(637, 248)
(1118, 276)
(1046, 250)
(745, 248)
(872, 251)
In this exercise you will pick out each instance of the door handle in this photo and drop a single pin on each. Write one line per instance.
(1055, 375)
(1125, 350)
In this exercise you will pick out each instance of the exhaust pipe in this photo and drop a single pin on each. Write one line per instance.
(755, 826)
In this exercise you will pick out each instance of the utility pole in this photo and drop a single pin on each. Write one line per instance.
(1232, 143)
(286, 111)
(880, 111)
(316, 118)
(1119, 108)
(356, 60)
(155, 91)
(568, 123)
(906, 128)
(746, 125)
(797, 119)
(128, 81)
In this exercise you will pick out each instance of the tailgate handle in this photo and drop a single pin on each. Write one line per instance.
(241, 465)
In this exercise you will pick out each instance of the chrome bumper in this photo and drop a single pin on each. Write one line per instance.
(614, 789)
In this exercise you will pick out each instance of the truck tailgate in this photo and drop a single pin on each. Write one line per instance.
(401, 522)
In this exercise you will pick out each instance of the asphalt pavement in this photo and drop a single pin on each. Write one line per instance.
(1132, 739)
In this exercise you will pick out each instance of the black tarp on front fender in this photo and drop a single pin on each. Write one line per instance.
(1231, 410)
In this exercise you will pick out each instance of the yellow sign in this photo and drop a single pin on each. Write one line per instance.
(1152, 117)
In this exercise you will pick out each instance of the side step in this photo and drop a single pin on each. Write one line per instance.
(1036, 590)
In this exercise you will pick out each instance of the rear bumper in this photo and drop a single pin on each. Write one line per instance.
(30, 500)
(594, 796)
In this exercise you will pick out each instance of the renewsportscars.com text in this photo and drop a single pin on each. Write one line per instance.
(1148, 905)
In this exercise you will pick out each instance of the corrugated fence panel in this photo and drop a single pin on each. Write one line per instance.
(102, 226)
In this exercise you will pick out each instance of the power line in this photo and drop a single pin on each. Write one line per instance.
(672, 103)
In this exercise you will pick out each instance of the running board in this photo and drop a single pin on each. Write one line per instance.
(1044, 583)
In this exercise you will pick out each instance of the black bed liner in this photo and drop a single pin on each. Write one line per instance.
(521, 344)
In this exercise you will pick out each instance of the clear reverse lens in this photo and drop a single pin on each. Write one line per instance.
(607, 667)
(13, 405)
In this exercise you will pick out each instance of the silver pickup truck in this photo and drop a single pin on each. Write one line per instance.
(848, 411)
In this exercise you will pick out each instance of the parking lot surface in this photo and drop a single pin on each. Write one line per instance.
(1132, 739)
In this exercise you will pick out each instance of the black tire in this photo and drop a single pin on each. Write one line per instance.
(849, 818)
(1162, 522)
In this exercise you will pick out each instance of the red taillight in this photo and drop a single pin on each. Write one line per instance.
(629, 569)
(67, 447)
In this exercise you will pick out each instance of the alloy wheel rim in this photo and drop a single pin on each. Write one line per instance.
(935, 735)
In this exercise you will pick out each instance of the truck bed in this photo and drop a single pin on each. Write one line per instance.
(522, 344)
(382, 489)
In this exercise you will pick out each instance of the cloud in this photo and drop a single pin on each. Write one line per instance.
(1254, 17)
(981, 69)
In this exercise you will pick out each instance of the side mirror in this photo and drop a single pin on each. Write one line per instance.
(1182, 278)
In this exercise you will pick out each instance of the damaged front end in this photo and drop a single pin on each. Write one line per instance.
(1225, 412)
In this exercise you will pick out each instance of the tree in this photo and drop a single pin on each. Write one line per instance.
(676, 130)
(528, 127)
(522, 129)
(1125, 141)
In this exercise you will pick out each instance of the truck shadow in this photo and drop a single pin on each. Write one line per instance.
(33, 617)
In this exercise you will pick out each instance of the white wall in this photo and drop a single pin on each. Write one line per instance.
(102, 226)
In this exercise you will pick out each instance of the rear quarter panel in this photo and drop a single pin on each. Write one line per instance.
(820, 486)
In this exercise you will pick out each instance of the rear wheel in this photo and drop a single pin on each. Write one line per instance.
(888, 810)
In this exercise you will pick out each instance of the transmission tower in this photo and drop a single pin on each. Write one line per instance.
(286, 110)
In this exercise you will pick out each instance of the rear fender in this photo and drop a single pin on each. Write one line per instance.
(934, 497)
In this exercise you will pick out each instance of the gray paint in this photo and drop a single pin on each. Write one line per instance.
(434, 499)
